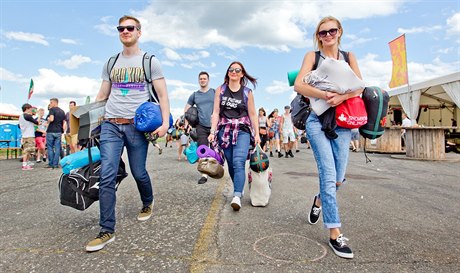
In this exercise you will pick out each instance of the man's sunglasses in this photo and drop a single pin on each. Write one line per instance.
(332, 32)
(129, 28)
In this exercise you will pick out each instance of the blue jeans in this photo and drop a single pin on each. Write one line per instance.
(331, 159)
(53, 144)
(113, 138)
(236, 156)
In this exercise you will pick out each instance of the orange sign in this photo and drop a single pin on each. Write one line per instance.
(398, 55)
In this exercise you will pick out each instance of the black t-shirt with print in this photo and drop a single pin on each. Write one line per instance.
(232, 104)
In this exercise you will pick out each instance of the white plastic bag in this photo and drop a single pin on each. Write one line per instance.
(260, 185)
(334, 76)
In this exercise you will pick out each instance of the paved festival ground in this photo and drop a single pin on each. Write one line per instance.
(400, 216)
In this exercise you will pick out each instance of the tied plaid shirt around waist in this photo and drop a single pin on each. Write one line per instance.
(233, 126)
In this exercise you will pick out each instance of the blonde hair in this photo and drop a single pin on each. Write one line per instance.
(316, 41)
(127, 17)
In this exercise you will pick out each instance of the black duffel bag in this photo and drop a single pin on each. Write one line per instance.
(80, 188)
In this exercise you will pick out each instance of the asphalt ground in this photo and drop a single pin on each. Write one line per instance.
(400, 216)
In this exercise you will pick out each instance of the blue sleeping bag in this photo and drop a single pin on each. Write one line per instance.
(79, 159)
(148, 117)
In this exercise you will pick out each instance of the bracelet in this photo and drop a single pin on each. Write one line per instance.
(213, 131)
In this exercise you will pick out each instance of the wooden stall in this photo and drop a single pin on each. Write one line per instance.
(389, 142)
(426, 143)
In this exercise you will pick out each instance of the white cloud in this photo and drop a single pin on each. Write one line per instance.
(453, 25)
(272, 25)
(378, 73)
(9, 109)
(27, 37)
(177, 112)
(168, 63)
(419, 29)
(171, 54)
(278, 87)
(105, 27)
(197, 55)
(52, 84)
(445, 50)
(179, 90)
(69, 41)
(354, 40)
(74, 62)
(6, 75)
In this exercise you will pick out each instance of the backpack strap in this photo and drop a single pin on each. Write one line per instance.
(146, 65)
(111, 64)
(345, 56)
(318, 55)
(245, 92)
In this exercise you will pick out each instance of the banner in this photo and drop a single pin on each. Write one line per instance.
(31, 89)
(398, 55)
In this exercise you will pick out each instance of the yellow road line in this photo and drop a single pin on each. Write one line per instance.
(200, 255)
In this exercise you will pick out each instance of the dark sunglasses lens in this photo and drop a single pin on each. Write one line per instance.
(333, 31)
(322, 33)
(129, 28)
(236, 70)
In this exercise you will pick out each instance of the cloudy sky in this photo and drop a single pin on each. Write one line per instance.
(62, 45)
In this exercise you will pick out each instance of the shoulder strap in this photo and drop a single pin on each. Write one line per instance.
(245, 92)
(147, 65)
(345, 56)
(222, 90)
(193, 99)
(317, 56)
(111, 63)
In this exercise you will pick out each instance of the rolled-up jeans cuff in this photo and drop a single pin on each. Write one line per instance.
(335, 225)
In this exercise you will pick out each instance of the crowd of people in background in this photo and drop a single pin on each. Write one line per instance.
(46, 137)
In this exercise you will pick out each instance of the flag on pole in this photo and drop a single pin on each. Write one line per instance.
(398, 55)
(31, 89)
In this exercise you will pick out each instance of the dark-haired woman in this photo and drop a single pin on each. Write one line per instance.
(234, 120)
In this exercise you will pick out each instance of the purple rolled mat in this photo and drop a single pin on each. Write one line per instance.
(204, 151)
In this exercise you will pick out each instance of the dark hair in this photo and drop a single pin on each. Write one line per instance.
(73, 102)
(26, 106)
(55, 99)
(244, 80)
(203, 73)
(263, 110)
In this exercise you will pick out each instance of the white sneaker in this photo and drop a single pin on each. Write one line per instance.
(236, 203)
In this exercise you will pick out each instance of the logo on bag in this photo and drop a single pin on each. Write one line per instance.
(342, 118)
(95, 186)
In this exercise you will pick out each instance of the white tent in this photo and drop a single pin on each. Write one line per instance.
(437, 93)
